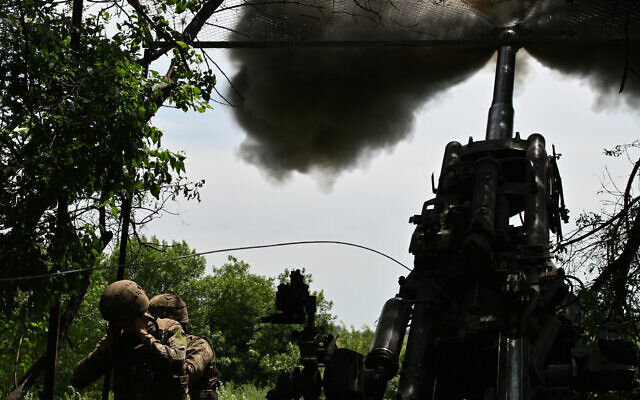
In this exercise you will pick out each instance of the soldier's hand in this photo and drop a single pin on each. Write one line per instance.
(140, 327)
(135, 327)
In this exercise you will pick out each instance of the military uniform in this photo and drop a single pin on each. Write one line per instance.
(200, 365)
(147, 370)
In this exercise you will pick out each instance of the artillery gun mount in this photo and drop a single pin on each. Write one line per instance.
(490, 317)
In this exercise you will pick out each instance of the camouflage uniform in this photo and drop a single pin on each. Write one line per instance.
(152, 369)
(200, 365)
(147, 356)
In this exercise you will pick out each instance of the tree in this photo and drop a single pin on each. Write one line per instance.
(172, 276)
(76, 144)
(234, 302)
(605, 248)
(225, 307)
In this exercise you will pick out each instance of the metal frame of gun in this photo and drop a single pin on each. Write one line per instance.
(490, 316)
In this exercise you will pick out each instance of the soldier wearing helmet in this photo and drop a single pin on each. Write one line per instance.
(147, 355)
(200, 363)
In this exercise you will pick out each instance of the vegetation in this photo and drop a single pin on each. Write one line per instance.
(605, 249)
(78, 155)
(230, 391)
(80, 160)
(225, 306)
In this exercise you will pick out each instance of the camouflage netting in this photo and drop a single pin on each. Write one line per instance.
(473, 21)
(324, 84)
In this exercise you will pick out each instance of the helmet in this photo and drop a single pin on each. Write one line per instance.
(123, 300)
(169, 306)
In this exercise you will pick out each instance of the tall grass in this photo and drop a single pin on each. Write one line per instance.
(230, 391)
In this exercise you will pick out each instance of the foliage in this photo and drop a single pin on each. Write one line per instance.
(249, 350)
(229, 391)
(75, 140)
(225, 307)
(75, 137)
(172, 276)
(20, 338)
(360, 341)
(604, 249)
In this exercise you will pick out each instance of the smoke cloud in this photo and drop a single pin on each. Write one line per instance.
(326, 110)
(602, 67)
(329, 109)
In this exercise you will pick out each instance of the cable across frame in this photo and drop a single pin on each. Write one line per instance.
(164, 260)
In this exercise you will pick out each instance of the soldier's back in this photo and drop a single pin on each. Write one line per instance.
(200, 364)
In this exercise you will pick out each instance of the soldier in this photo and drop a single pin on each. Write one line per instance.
(147, 355)
(200, 363)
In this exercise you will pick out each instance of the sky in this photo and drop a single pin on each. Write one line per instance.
(370, 204)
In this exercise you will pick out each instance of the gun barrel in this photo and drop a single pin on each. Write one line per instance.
(500, 122)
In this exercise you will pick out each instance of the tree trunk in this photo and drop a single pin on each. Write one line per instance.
(38, 367)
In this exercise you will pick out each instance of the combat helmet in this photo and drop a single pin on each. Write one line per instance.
(123, 300)
(169, 306)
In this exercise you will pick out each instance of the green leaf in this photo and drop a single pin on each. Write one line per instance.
(181, 6)
(114, 211)
(155, 190)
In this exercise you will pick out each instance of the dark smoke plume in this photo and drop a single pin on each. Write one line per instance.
(608, 66)
(327, 109)
(604, 67)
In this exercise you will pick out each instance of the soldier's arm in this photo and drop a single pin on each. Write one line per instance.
(93, 366)
(199, 356)
(172, 354)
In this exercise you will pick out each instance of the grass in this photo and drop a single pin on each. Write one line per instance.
(230, 391)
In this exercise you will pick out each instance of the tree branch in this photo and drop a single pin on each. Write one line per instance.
(66, 320)
(622, 212)
(191, 31)
(618, 269)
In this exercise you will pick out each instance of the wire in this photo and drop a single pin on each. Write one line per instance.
(262, 246)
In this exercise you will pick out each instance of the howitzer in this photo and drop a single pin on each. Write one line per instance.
(490, 317)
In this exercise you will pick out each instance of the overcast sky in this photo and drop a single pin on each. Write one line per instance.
(371, 204)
